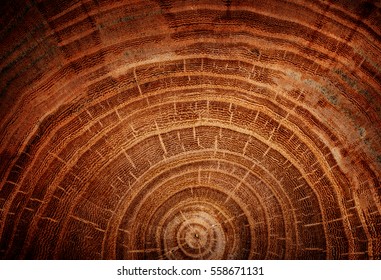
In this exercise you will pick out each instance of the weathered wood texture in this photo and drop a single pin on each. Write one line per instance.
(184, 129)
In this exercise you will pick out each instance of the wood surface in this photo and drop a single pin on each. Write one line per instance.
(210, 129)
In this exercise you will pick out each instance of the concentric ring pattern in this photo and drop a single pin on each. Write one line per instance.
(210, 129)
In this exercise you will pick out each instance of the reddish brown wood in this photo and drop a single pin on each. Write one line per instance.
(190, 129)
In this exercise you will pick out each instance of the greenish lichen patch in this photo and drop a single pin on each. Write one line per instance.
(328, 94)
(379, 158)
(361, 131)
(355, 85)
(351, 82)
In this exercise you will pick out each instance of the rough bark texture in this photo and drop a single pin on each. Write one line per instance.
(187, 129)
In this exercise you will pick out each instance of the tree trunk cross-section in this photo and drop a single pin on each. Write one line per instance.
(181, 129)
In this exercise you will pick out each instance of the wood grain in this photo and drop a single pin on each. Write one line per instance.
(190, 129)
